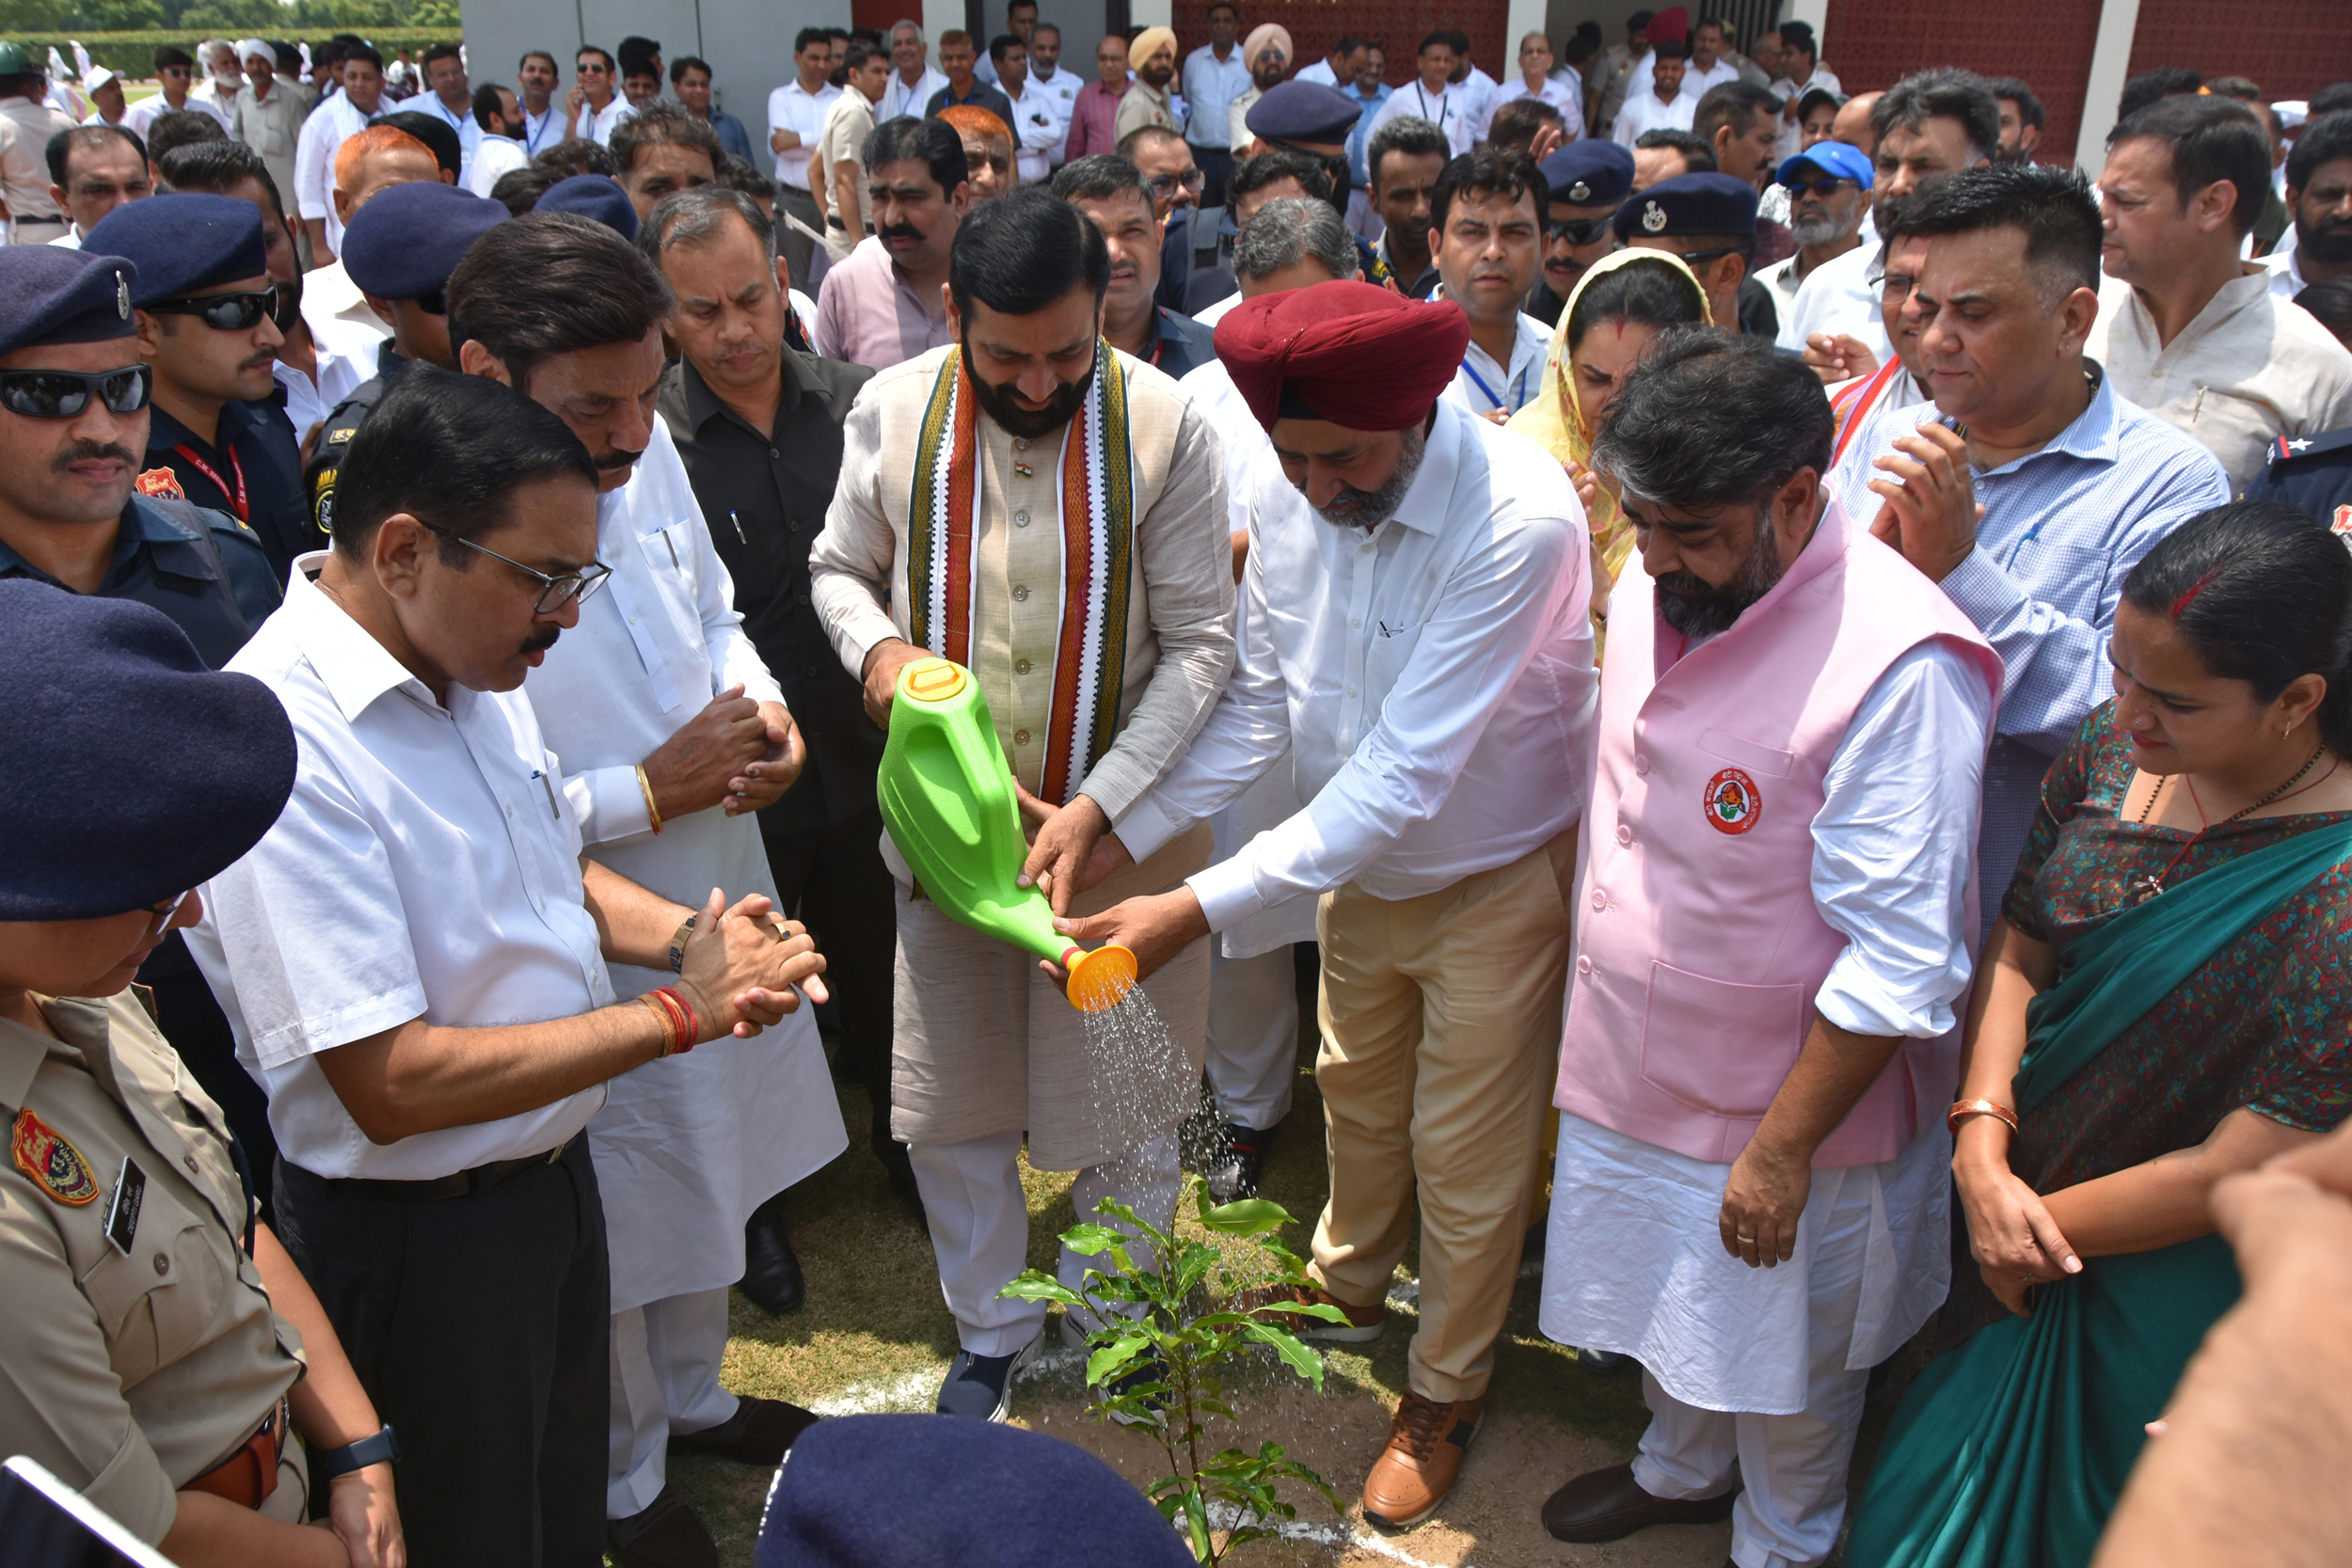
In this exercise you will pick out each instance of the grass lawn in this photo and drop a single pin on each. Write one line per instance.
(876, 1336)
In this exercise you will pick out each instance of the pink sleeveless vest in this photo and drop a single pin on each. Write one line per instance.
(1699, 949)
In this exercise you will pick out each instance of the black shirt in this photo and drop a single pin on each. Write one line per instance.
(2313, 472)
(326, 458)
(764, 495)
(257, 444)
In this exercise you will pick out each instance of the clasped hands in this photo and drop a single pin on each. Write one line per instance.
(742, 964)
(736, 752)
(1931, 510)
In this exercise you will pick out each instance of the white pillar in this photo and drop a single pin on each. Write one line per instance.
(1526, 16)
(2103, 93)
(942, 16)
(1154, 13)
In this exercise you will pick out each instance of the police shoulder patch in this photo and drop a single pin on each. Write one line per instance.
(55, 1166)
(160, 481)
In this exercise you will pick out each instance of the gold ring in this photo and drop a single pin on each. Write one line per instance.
(776, 924)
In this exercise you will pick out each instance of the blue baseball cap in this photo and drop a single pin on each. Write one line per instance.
(1831, 157)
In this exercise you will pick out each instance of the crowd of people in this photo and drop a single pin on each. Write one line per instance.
(1284, 456)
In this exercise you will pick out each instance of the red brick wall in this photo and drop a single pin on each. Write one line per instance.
(2045, 44)
(1397, 25)
(2289, 48)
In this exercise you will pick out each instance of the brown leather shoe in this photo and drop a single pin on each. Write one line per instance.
(1427, 1443)
(1363, 1325)
(1608, 1505)
(670, 1534)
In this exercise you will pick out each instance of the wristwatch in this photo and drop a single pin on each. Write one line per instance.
(382, 1448)
(677, 945)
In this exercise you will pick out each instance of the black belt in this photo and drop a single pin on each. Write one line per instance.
(832, 220)
(465, 1184)
(41, 217)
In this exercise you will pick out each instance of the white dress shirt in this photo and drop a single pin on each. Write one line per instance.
(1838, 297)
(493, 158)
(1431, 681)
(897, 99)
(2286, 274)
(460, 121)
(1645, 111)
(1038, 129)
(1210, 85)
(1694, 81)
(424, 867)
(794, 108)
(1792, 133)
(596, 125)
(1319, 72)
(543, 129)
(1214, 313)
(2248, 369)
(322, 136)
(649, 653)
(140, 117)
(1563, 94)
(1061, 90)
(1481, 386)
(1447, 110)
(344, 328)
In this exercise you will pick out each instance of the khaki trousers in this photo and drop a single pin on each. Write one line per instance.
(1440, 1022)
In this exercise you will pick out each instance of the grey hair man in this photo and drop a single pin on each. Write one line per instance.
(1291, 242)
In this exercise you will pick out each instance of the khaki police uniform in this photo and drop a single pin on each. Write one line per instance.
(132, 1365)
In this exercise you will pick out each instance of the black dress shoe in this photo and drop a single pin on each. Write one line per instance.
(1602, 1362)
(670, 1534)
(758, 1433)
(1246, 1152)
(772, 1269)
(894, 1158)
(1608, 1505)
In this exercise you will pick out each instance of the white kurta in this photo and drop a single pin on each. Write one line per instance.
(685, 1149)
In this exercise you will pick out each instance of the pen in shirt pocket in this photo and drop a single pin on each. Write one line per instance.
(547, 785)
(737, 521)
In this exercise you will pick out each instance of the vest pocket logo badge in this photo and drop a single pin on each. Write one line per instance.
(55, 1166)
(1733, 803)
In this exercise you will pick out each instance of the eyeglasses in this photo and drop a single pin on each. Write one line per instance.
(1166, 184)
(226, 312)
(63, 394)
(1691, 258)
(1818, 187)
(554, 593)
(165, 910)
(1578, 231)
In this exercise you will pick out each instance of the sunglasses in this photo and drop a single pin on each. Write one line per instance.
(1693, 257)
(1165, 185)
(1818, 187)
(163, 913)
(227, 312)
(63, 394)
(554, 592)
(1578, 231)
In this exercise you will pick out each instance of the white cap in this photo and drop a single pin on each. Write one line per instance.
(99, 78)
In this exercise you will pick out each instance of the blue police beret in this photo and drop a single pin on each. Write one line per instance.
(1688, 204)
(1589, 173)
(94, 694)
(182, 243)
(408, 240)
(1303, 111)
(50, 295)
(592, 195)
(1829, 157)
(916, 1491)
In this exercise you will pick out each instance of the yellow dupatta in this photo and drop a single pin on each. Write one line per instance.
(1555, 422)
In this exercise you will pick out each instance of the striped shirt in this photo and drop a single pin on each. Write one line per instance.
(2061, 529)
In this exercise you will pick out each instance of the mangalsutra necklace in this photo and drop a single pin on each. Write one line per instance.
(2149, 887)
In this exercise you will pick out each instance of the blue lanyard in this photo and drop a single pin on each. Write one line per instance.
(530, 140)
(1518, 388)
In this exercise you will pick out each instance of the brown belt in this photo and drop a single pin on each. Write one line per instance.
(438, 1189)
(248, 1476)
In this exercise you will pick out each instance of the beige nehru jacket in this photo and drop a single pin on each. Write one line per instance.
(128, 1373)
(1180, 628)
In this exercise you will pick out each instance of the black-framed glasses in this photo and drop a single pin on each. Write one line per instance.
(1578, 231)
(1691, 258)
(554, 592)
(63, 394)
(226, 312)
(1824, 187)
(1168, 185)
(160, 915)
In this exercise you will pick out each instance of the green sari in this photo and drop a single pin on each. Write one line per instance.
(2010, 1451)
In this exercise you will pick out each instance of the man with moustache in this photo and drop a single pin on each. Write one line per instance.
(672, 734)
(883, 305)
(1827, 188)
(1111, 191)
(1588, 180)
(1153, 57)
(1485, 219)
(204, 301)
(538, 76)
(986, 1047)
(500, 151)
(2319, 194)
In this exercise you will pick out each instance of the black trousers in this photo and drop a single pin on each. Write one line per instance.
(834, 881)
(478, 1326)
(192, 1020)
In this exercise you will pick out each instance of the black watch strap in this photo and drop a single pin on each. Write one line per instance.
(379, 1450)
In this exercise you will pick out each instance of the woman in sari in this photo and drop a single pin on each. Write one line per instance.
(2162, 1003)
(1634, 294)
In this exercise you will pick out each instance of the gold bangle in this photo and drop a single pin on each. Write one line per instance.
(1963, 1110)
(645, 787)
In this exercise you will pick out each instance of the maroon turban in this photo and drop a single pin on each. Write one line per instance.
(1353, 353)
(1672, 23)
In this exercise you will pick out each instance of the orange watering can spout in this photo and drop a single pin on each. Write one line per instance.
(1098, 980)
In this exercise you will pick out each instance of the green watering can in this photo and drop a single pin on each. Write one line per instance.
(947, 798)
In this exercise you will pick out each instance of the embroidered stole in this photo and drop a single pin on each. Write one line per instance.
(1096, 505)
